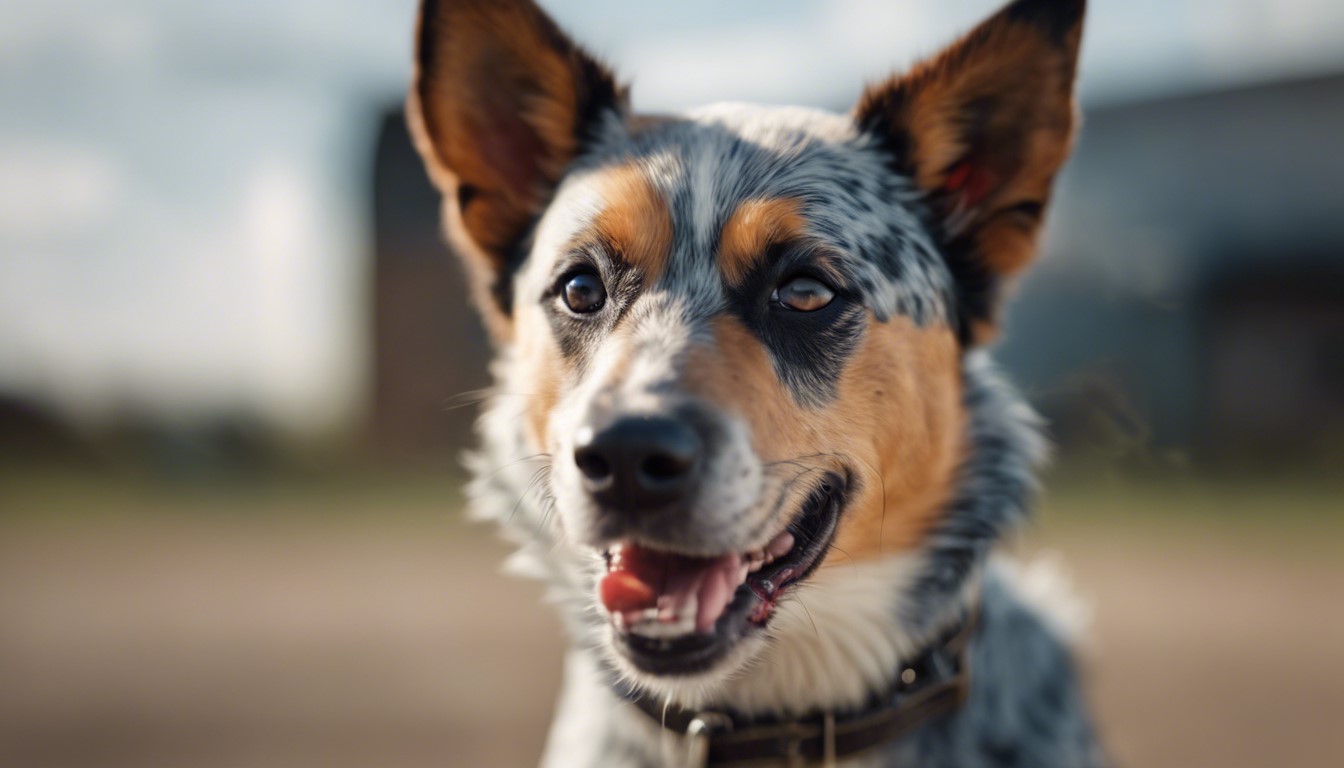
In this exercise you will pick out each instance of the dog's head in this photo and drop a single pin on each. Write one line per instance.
(739, 333)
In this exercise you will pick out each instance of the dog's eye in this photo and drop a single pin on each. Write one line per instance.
(585, 293)
(803, 294)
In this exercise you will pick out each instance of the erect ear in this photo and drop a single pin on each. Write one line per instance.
(502, 101)
(982, 128)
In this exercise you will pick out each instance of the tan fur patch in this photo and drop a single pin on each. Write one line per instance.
(992, 63)
(900, 398)
(898, 423)
(636, 219)
(736, 374)
(494, 108)
(753, 228)
(547, 372)
(503, 143)
(1000, 104)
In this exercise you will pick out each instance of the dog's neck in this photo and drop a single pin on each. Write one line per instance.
(848, 629)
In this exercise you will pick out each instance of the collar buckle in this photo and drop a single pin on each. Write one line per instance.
(698, 732)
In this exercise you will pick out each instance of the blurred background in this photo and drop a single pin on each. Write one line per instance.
(233, 358)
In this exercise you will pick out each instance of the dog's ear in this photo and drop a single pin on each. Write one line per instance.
(982, 128)
(501, 102)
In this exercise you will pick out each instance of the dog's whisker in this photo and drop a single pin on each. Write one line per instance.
(475, 397)
(547, 506)
(808, 613)
(532, 457)
(854, 564)
(535, 477)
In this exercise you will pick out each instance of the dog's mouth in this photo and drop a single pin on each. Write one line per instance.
(676, 614)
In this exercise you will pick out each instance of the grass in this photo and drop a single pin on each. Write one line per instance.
(351, 495)
(1302, 513)
(1305, 514)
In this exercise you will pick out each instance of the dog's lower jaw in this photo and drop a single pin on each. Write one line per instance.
(832, 643)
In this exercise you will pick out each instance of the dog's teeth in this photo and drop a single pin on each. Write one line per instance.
(755, 565)
(683, 623)
(667, 609)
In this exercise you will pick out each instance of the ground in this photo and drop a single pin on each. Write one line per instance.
(363, 622)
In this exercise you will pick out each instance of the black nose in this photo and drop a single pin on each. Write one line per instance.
(638, 462)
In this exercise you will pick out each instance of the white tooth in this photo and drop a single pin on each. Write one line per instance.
(756, 565)
(689, 609)
(684, 625)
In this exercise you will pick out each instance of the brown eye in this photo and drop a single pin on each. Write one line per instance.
(585, 293)
(803, 294)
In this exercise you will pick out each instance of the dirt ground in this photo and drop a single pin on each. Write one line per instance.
(214, 641)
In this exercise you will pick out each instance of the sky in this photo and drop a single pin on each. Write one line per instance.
(184, 223)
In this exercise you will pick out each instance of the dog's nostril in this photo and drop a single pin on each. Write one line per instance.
(592, 464)
(663, 466)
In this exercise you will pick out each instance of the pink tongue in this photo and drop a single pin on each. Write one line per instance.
(640, 578)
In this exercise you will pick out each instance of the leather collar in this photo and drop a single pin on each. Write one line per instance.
(933, 685)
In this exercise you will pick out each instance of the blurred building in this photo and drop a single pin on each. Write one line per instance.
(1193, 289)
(429, 351)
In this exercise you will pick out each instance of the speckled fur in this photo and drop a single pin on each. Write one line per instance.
(841, 635)
(1025, 709)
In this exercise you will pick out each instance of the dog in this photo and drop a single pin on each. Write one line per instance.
(745, 425)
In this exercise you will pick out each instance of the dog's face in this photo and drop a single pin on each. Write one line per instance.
(739, 332)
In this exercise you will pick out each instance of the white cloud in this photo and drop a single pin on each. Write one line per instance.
(48, 189)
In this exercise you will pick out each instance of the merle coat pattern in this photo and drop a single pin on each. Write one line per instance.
(803, 298)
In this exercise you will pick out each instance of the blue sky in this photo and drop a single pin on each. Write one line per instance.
(183, 223)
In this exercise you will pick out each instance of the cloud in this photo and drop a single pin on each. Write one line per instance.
(49, 190)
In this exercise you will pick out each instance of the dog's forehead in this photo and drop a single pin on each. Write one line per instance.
(680, 186)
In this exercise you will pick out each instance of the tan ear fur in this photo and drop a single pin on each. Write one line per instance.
(501, 102)
(983, 128)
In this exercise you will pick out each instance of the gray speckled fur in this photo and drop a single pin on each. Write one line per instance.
(1025, 708)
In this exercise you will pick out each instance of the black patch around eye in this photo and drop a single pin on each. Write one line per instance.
(809, 349)
(810, 359)
(597, 272)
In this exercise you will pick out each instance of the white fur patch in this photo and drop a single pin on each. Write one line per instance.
(1045, 585)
